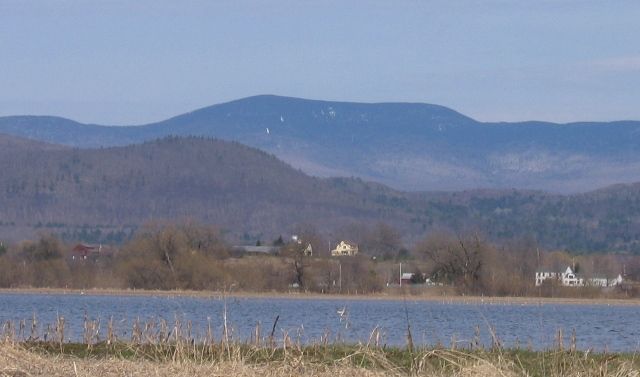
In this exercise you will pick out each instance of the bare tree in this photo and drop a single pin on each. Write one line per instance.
(295, 253)
(456, 259)
(382, 241)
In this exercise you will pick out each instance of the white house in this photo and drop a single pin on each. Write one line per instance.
(569, 278)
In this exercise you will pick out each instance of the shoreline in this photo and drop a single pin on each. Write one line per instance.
(444, 299)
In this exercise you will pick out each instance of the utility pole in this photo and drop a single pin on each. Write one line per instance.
(400, 274)
(340, 274)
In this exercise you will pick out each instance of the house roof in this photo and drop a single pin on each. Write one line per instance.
(83, 247)
(350, 243)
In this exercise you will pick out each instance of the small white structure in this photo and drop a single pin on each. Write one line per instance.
(600, 281)
(308, 251)
(569, 278)
(544, 275)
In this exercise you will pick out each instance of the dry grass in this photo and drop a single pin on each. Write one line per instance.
(18, 361)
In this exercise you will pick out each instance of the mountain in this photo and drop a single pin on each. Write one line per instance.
(408, 146)
(103, 194)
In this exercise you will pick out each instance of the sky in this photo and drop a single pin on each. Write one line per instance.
(126, 62)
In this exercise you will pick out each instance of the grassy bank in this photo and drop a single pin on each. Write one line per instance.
(121, 359)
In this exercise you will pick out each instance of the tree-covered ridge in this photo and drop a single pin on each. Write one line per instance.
(242, 189)
(103, 195)
(603, 220)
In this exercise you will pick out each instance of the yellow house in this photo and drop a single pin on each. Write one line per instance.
(345, 248)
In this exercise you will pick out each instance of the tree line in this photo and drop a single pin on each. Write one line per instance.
(192, 256)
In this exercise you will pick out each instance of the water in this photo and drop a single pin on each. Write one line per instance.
(597, 327)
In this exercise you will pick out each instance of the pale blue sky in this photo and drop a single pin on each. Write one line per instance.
(126, 62)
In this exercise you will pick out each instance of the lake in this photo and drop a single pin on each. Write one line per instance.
(597, 327)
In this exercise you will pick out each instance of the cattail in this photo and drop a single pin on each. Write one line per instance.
(257, 334)
(476, 338)
(110, 332)
(60, 330)
(560, 340)
(209, 339)
(34, 328)
(23, 326)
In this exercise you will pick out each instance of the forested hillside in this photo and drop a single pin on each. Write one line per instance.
(102, 195)
(242, 189)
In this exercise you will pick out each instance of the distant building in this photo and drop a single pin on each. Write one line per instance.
(543, 275)
(406, 278)
(600, 281)
(308, 251)
(412, 278)
(345, 248)
(569, 278)
(83, 251)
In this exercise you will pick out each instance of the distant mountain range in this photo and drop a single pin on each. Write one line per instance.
(407, 146)
(101, 195)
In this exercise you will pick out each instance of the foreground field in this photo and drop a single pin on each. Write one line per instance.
(51, 359)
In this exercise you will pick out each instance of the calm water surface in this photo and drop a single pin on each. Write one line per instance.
(598, 327)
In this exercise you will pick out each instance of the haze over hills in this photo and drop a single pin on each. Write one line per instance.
(98, 195)
(408, 146)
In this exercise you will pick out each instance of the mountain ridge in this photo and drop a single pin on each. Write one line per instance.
(408, 146)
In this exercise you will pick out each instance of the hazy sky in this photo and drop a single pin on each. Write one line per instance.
(132, 62)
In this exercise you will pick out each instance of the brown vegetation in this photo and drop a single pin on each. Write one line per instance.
(189, 256)
(286, 357)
